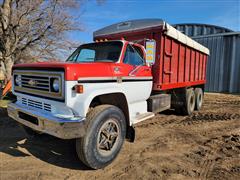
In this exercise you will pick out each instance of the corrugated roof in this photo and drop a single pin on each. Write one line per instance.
(197, 29)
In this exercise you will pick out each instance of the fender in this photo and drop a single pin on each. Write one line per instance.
(99, 92)
(80, 102)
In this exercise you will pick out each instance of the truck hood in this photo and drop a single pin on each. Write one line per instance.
(73, 71)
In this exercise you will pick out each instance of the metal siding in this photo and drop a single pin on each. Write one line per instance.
(200, 29)
(223, 67)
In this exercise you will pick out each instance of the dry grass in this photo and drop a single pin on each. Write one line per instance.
(4, 103)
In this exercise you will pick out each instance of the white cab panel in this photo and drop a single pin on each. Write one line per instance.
(136, 93)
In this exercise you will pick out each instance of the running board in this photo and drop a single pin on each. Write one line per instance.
(142, 117)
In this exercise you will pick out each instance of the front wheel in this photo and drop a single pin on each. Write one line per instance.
(104, 137)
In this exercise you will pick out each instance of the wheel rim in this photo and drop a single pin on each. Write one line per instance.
(200, 100)
(192, 102)
(108, 137)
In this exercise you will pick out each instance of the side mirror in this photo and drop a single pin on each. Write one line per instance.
(150, 51)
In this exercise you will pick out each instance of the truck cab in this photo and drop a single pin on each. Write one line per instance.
(115, 67)
(62, 99)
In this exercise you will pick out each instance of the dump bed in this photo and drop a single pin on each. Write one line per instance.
(179, 60)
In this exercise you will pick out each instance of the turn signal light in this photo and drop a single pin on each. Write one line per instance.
(78, 89)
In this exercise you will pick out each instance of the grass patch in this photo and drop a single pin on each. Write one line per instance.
(4, 103)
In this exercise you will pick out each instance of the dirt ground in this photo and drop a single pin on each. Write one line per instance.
(205, 145)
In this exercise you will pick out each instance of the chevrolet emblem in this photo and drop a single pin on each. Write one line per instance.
(32, 82)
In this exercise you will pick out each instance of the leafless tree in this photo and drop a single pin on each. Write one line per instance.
(31, 29)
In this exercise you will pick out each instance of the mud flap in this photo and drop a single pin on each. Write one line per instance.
(130, 136)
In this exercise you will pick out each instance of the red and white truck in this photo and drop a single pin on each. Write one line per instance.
(132, 71)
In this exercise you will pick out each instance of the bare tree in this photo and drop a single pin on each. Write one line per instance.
(34, 29)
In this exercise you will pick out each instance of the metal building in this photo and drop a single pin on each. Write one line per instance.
(223, 69)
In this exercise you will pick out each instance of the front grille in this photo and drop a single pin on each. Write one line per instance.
(37, 104)
(39, 83)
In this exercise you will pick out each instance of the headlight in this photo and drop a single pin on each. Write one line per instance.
(18, 80)
(55, 85)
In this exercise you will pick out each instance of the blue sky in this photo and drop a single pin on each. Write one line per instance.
(218, 12)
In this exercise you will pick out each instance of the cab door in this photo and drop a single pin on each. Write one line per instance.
(136, 76)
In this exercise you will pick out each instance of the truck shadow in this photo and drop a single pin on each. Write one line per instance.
(171, 112)
(14, 142)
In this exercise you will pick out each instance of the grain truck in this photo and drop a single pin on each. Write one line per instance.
(132, 71)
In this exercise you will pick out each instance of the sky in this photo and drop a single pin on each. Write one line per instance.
(94, 15)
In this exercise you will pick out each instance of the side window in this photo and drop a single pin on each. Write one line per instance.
(139, 51)
(86, 55)
(132, 57)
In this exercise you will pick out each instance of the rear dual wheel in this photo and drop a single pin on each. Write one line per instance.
(191, 99)
(198, 98)
(189, 102)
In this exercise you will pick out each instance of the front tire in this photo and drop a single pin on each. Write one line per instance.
(106, 131)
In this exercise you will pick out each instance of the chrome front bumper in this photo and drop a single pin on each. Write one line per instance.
(61, 128)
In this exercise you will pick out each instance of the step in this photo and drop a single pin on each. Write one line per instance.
(142, 117)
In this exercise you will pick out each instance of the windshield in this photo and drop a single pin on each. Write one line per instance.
(97, 52)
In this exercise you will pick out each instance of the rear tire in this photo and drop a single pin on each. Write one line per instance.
(105, 134)
(189, 103)
(198, 98)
